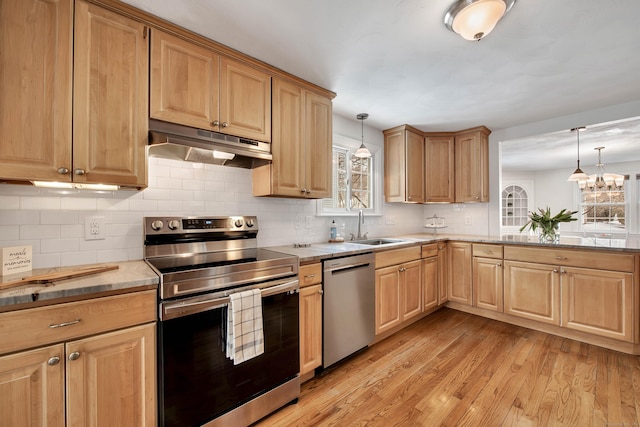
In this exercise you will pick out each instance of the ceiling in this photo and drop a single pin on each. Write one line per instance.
(395, 59)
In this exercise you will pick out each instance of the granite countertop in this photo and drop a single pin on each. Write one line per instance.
(319, 251)
(128, 276)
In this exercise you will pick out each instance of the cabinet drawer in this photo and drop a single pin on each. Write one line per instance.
(397, 256)
(33, 327)
(429, 250)
(310, 274)
(487, 251)
(589, 259)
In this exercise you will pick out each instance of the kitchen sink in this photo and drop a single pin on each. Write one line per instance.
(377, 242)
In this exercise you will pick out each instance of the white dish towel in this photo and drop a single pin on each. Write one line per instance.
(245, 337)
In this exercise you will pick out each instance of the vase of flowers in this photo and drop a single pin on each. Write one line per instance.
(547, 224)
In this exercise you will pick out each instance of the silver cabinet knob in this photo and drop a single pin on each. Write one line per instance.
(499, 264)
(225, 124)
(63, 170)
(79, 172)
(321, 292)
(554, 270)
(53, 361)
(216, 123)
(74, 356)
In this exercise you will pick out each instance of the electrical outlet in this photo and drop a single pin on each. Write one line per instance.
(467, 220)
(94, 228)
(307, 221)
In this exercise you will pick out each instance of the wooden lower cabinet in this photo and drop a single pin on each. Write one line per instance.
(460, 281)
(82, 363)
(430, 283)
(532, 291)
(487, 284)
(310, 278)
(598, 302)
(111, 379)
(32, 388)
(107, 379)
(310, 328)
(398, 294)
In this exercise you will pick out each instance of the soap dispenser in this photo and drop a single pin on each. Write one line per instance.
(334, 230)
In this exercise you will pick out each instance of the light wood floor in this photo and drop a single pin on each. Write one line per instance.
(456, 369)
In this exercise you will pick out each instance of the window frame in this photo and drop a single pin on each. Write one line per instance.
(594, 228)
(350, 145)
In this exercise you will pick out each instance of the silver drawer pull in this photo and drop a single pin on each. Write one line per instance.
(309, 276)
(53, 361)
(63, 324)
(488, 252)
(559, 257)
(74, 356)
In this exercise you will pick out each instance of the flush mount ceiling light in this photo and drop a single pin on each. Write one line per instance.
(474, 19)
(578, 175)
(363, 151)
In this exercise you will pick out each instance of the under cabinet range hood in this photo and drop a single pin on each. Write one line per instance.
(181, 142)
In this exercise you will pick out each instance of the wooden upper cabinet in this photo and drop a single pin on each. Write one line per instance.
(301, 145)
(110, 120)
(439, 167)
(194, 86)
(35, 106)
(472, 165)
(184, 82)
(403, 165)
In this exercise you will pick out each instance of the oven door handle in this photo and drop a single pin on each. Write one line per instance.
(172, 310)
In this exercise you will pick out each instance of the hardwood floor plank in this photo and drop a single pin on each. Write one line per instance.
(455, 369)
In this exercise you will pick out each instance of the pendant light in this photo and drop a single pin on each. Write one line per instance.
(578, 175)
(474, 19)
(603, 179)
(363, 151)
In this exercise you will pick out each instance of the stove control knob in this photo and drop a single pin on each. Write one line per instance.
(174, 224)
(238, 223)
(250, 223)
(157, 225)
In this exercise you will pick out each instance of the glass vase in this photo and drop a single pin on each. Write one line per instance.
(550, 235)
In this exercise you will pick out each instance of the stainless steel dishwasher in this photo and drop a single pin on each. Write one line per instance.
(348, 306)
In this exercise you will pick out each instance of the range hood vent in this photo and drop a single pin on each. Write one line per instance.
(178, 142)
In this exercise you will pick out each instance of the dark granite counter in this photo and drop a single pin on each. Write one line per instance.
(319, 251)
(129, 276)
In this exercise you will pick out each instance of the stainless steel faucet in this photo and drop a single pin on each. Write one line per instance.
(360, 222)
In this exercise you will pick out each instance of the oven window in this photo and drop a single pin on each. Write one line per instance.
(197, 383)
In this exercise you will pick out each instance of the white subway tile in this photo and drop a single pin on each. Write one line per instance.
(59, 245)
(72, 231)
(143, 205)
(169, 184)
(40, 203)
(182, 173)
(46, 260)
(79, 203)
(111, 256)
(9, 202)
(39, 232)
(9, 232)
(78, 258)
(58, 217)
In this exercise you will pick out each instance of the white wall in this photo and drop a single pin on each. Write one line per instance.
(53, 222)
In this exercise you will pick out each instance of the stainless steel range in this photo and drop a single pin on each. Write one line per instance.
(201, 262)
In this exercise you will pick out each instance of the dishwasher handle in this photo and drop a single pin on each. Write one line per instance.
(347, 267)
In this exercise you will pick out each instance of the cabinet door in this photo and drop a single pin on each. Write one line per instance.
(459, 272)
(32, 388)
(318, 146)
(472, 166)
(184, 82)
(415, 167)
(388, 298)
(439, 168)
(443, 273)
(487, 284)
(532, 291)
(430, 283)
(35, 106)
(411, 289)
(599, 302)
(285, 175)
(111, 91)
(112, 377)
(394, 167)
(245, 101)
(310, 328)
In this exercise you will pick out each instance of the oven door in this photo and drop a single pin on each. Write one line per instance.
(197, 382)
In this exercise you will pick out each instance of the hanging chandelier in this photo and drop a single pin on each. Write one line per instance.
(603, 180)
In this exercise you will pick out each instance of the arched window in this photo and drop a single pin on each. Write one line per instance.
(515, 206)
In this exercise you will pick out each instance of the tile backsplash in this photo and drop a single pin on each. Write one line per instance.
(53, 221)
